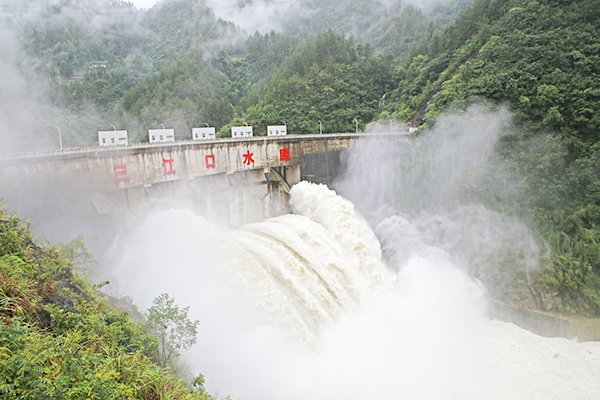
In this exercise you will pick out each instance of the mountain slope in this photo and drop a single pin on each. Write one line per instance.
(541, 58)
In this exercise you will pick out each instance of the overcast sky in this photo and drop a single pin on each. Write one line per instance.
(143, 3)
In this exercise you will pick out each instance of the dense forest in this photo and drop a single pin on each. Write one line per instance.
(540, 59)
(93, 64)
(84, 65)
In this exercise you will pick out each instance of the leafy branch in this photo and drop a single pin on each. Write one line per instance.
(176, 332)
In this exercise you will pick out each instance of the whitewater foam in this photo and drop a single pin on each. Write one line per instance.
(307, 268)
(266, 290)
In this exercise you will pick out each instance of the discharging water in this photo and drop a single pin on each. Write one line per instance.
(305, 306)
(302, 307)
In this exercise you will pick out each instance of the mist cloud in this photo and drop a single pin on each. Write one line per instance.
(257, 15)
(23, 108)
(425, 198)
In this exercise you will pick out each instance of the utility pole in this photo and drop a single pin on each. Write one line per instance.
(59, 137)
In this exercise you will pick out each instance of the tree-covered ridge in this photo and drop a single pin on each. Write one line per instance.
(541, 58)
(388, 26)
(59, 340)
(266, 53)
(89, 58)
(182, 95)
(328, 78)
(86, 55)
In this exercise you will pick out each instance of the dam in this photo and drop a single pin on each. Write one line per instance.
(234, 180)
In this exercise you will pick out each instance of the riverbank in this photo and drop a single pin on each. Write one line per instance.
(547, 324)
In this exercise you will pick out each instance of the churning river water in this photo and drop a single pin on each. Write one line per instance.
(301, 306)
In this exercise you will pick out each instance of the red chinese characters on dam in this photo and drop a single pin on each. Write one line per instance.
(168, 164)
(120, 170)
(210, 161)
(170, 169)
(248, 158)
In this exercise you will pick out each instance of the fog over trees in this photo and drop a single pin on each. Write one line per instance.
(87, 64)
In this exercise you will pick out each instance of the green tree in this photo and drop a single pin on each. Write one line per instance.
(176, 332)
(76, 251)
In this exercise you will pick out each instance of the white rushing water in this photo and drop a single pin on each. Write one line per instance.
(301, 306)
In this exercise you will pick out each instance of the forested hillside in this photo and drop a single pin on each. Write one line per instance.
(93, 57)
(539, 58)
(91, 64)
(328, 78)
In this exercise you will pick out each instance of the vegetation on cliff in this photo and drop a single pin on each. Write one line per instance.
(60, 340)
